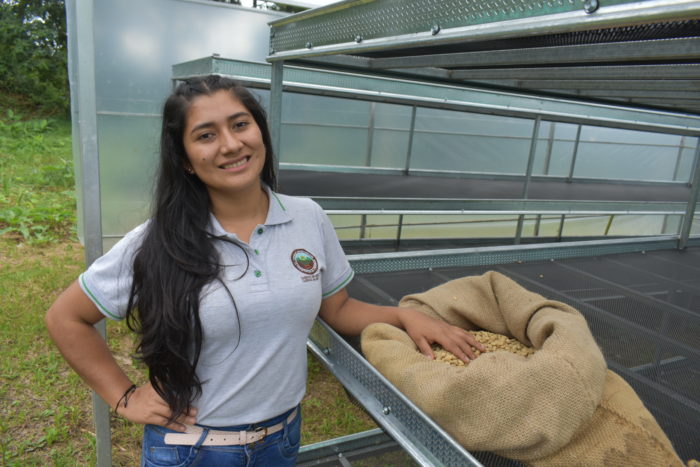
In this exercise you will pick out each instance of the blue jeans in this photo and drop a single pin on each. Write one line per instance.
(275, 450)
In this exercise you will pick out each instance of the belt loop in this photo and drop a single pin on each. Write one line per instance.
(202, 437)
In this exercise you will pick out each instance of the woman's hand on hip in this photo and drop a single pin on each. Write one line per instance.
(145, 406)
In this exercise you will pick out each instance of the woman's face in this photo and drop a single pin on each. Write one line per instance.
(224, 145)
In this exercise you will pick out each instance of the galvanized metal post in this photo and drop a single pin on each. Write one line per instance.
(411, 133)
(370, 133)
(398, 232)
(528, 175)
(574, 155)
(550, 144)
(679, 156)
(692, 200)
(274, 117)
(79, 17)
(363, 226)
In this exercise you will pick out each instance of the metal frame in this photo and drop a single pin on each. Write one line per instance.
(390, 89)
(420, 437)
(298, 35)
(81, 62)
(437, 95)
(397, 415)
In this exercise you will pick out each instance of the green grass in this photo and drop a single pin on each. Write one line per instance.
(45, 409)
(37, 196)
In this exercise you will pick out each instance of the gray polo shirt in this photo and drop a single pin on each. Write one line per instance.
(295, 260)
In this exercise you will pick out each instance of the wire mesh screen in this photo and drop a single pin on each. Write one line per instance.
(643, 310)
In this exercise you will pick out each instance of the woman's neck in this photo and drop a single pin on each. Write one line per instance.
(240, 213)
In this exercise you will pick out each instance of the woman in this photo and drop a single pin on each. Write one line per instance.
(222, 286)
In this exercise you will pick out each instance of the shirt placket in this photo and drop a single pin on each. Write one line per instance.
(258, 246)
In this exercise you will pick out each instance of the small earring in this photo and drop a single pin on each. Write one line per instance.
(189, 170)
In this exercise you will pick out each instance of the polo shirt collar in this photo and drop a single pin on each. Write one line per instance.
(276, 214)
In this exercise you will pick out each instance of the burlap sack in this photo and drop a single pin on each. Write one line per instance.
(622, 432)
(518, 407)
(558, 407)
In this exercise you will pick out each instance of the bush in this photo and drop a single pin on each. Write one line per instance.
(33, 59)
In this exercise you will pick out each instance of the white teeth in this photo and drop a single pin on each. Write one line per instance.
(235, 164)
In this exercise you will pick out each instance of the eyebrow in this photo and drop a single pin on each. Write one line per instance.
(229, 118)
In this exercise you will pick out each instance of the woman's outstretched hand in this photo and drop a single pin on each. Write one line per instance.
(145, 406)
(426, 331)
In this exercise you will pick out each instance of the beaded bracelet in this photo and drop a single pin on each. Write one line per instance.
(125, 398)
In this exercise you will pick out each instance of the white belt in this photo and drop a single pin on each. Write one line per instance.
(224, 438)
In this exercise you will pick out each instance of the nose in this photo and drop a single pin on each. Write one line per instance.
(230, 142)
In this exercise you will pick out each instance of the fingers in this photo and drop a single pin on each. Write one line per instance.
(147, 407)
(461, 343)
(425, 349)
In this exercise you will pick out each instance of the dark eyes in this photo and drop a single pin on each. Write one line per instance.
(236, 126)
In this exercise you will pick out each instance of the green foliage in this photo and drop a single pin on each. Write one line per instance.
(37, 199)
(33, 58)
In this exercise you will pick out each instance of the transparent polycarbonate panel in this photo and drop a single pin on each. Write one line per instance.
(448, 140)
(637, 225)
(686, 159)
(127, 166)
(324, 130)
(626, 154)
(555, 147)
(545, 226)
(380, 227)
(389, 148)
(623, 225)
(392, 116)
(458, 226)
(309, 109)
(71, 24)
(347, 226)
(450, 121)
(585, 226)
(390, 135)
(309, 144)
(671, 225)
(137, 42)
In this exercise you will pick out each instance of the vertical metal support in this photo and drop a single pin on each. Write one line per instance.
(531, 156)
(363, 226)
(574, 155)
(528, 175)
(411, 133)
(692, 200)
(607, 227)
(561, 227)
(79, 18)
(398, 232)
(550, 144)
(370, 133)
(679, 156)
(536, 233)
(274, 117)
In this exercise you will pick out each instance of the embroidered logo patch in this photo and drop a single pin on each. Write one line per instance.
(304, 261)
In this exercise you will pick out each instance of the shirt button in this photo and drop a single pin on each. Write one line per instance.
(260, 231)
(258, 273)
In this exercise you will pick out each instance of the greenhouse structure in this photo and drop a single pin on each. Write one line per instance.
(555, 141)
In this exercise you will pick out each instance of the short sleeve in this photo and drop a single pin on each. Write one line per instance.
(107, 282)
(338, 273)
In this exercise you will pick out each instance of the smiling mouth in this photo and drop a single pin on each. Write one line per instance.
(233, 165)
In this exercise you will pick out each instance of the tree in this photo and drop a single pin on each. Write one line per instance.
(33, 52)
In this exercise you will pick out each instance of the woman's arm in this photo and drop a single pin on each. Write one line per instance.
(349, 316)
(70, 322)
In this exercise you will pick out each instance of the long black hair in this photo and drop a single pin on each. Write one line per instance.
(178, 257)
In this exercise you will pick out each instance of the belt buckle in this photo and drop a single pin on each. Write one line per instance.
(259, 429)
